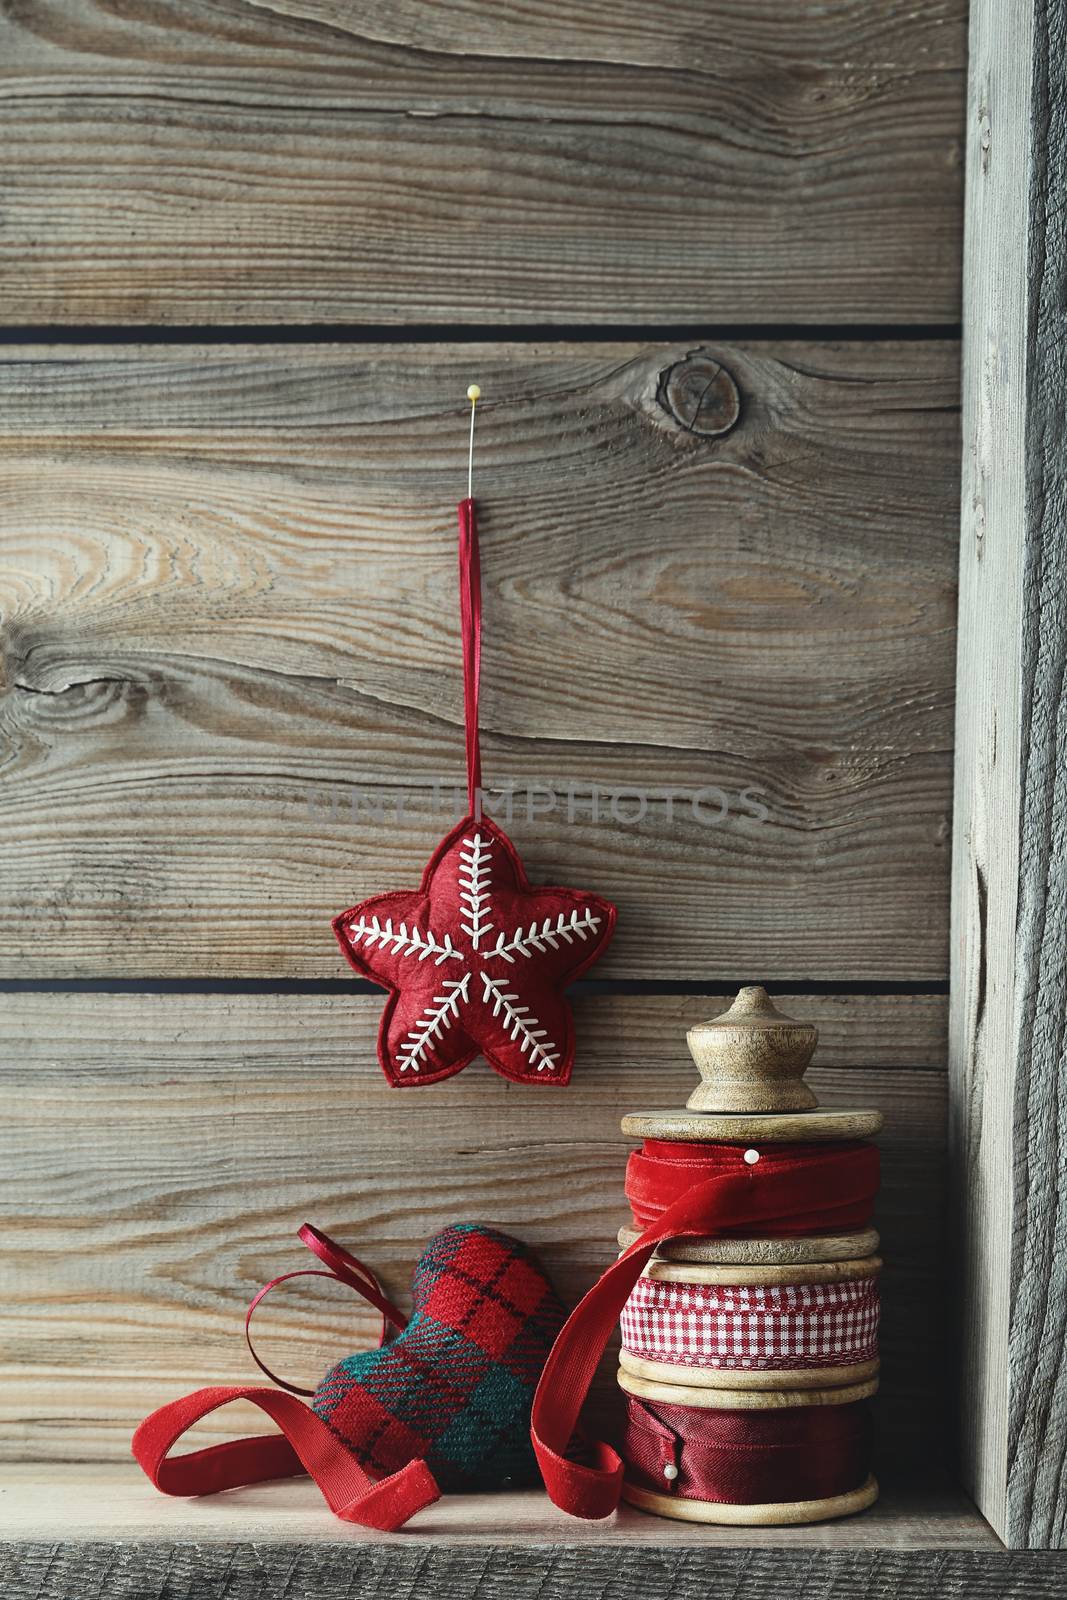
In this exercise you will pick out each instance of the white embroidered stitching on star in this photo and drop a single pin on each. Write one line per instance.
(414, 943)
(522, 1027)
(436, 1018)
(535, 938)
(474, 880)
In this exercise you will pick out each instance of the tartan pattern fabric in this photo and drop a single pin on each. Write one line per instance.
(455, 1388)
(733, 1327)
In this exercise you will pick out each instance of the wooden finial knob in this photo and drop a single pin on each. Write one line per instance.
(752, 1058)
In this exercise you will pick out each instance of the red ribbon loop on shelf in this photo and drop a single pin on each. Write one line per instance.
(470, 608)
(804, 1181)
(305, 1443)
(747, 1457)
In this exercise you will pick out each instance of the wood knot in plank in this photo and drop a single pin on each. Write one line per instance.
(700, 395)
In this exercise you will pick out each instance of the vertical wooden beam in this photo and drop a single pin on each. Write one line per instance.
(1009, 945)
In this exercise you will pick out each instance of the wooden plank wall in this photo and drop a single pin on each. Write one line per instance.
(341, 160)
(704, 262)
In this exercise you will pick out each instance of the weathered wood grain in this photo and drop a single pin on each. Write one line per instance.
(194, 162)
(231, 649)
(160, 1152)
(1009, 1012)
(499, 1572)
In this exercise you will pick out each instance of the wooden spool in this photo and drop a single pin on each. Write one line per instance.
(738, 1378)
(817, 1247)
(782, 1514)
(751, 1061)
(763, 1273)
(710, 1398)
(801, 1127)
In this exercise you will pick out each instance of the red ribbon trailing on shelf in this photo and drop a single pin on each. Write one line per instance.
(470, 610)
(706, 1192)
(305, 1443)
(747, 1458)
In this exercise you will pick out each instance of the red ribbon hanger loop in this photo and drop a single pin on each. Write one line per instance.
(470, 607)
(349, 1269)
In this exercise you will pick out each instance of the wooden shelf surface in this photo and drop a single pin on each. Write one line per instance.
(100, 1532)
(49, 1502)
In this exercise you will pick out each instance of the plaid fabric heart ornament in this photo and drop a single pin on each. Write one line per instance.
(454, 1389)
(442, 1404)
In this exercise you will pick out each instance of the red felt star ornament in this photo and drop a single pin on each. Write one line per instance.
(475, 960)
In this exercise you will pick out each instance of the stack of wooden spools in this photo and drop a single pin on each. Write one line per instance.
(747, 1361)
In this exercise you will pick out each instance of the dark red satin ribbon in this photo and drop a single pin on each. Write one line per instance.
(663, 1170)
(804, 1181)
(470, 609)
(747, 1458)
(343, 1268)
(305, 1443)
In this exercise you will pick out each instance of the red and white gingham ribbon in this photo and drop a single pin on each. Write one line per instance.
(758, 1327)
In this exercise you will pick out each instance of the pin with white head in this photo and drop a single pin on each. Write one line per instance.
(474, 394)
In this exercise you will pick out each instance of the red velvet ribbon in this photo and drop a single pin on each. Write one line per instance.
(747, 1458)
(470, 609)
(305, 1443)
(796, 1181)
(663, 1170)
